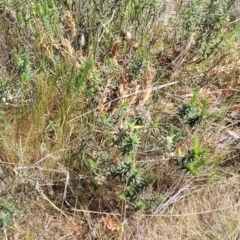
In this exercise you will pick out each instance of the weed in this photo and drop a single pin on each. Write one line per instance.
(135, 184)
(193, 159)
(191, 113)
(22, 65)
(90, 88)
(7, 213)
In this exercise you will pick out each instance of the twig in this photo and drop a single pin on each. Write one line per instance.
(65, 187)
(192, 214)
(55, 207)
(151, 89)
(177, 196)
(162, 215)
(95, 212)
(49, 155)
(69, 234)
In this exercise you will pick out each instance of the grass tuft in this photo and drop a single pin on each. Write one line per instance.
(119, 119)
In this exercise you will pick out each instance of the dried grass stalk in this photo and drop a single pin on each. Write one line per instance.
(66, 47)
(115, 49)
(70, 23)
(46, 49)
(150, 74)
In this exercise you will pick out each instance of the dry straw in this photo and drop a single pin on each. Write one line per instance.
(150, 75)
(70, 23)
(125, 96)
(115, 49)
(46, 48)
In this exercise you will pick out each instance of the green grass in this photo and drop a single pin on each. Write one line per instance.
(112, 119)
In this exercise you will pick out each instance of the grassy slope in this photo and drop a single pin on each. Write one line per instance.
(80, 102)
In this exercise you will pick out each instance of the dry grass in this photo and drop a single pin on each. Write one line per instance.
(192, 212)
(74, 88)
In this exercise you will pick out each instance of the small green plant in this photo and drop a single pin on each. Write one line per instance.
(172, 138)
(6, 213)
(131, 140)
(4, 219)
(201, 24)
(4, 84)
(130, 143)
(193, 159)
(121, 170)
(135, 184)
(191, 113)
(22, 65)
